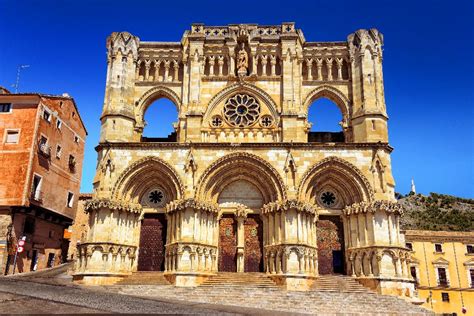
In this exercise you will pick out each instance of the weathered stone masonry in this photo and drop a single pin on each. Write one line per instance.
(244, 153)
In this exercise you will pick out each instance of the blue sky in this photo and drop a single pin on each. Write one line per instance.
(428, 66)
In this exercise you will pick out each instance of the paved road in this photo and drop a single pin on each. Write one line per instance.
(20, 296)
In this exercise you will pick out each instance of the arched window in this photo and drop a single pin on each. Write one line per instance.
(325, 117)
(160, 118)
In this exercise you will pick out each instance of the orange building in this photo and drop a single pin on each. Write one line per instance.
(41, 152)
(442, 265)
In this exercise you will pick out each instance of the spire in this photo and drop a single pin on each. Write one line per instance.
(413, 188)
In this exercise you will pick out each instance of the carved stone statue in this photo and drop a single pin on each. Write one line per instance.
(242, 61)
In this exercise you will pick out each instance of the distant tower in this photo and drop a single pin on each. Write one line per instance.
(413, 188)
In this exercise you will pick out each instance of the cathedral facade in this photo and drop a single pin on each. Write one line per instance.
(243, 185)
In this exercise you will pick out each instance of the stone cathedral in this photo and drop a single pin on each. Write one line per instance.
(243, 184)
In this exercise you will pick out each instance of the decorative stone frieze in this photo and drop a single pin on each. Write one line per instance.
(178, 205)
(374, 206)
(281, 206)
(96, 204)
(191, 258)
(95, 258)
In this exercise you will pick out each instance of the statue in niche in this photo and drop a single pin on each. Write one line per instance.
(242, 61)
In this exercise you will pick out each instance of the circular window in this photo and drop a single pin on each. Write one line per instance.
(266, 121)
(156, 198)
(242, 110)
(328, 198)
(216, 121)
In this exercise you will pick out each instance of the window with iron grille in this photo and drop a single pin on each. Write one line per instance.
(438, 248)
(5, 107)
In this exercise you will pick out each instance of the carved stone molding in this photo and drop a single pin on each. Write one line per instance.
(252, 162)
(160, 164)
(363, 185)
(286, 205)
(182, 204)
(86, 249)
(242, 87)
(373, 207)
(114, 205)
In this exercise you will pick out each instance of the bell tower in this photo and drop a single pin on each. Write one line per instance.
(369, 118)
(118, 118)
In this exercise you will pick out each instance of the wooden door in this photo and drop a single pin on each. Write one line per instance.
(330, 236)
(228, 243)
(151, 255)
(253, 230)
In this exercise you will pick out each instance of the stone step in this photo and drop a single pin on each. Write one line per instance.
(145, 277)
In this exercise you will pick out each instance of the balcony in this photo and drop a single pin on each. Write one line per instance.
(44, 150)
(36, 196)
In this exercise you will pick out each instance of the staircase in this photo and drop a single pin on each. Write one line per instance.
(239, 280)
(339, 283)
(330, 294)
(145, 278)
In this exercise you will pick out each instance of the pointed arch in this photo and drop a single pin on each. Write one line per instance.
(152, 95)
(239, 88)
(241, 166)
(333, 94)
(339, 175)
(144, 174)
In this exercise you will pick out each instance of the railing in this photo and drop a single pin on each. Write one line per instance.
(44, 150)
(36, 196)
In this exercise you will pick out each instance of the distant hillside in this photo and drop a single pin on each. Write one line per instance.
(437, 212)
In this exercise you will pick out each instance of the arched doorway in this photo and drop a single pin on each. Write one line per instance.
(332, 184)
(241, 183)
(241, 229)
(152, 183)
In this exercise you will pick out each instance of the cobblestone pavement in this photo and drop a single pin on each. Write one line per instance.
(21, 296)
(20, 304)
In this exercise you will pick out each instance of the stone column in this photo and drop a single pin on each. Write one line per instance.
(109, 253)
(192, 249)
(240, 215)
(290, 253)
(176, 71)
(382, 242)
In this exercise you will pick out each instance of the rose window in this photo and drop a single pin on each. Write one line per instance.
(156, 197)
(328, 198)
(242, 110)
